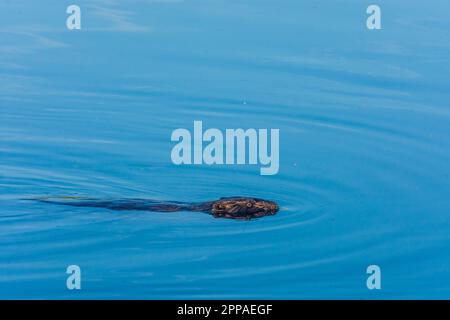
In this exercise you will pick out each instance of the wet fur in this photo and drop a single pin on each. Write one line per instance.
(243, 208)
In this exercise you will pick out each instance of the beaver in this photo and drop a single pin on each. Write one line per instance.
(241, 208)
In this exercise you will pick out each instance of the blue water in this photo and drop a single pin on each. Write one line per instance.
(364, 121)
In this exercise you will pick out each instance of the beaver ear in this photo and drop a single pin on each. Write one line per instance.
(233, 209)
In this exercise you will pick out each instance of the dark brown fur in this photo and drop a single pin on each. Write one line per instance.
(231, 208)
(243, 208)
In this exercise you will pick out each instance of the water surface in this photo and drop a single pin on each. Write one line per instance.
(364, 148)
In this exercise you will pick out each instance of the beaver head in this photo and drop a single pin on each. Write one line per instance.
(243, 208)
